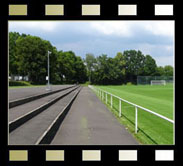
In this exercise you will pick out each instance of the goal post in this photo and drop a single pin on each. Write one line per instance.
(158, 82)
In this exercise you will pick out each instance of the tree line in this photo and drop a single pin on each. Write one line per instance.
(28, 57)
(123, 68)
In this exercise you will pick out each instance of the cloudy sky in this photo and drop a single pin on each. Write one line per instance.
(155, 38)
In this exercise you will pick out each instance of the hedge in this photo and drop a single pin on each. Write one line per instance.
(19, 83)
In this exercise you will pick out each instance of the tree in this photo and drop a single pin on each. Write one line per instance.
(149, 66)
(66, 65)
(160, 71)
(32, 58)
(13, 64)
(164, 71)
(90, 61)
(121, 65)
(106, 71)
(71, 68)
(81, 71)
(168, 70)
(54, 77)
(134, 64)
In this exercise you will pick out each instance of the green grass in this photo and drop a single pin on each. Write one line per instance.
(158, 98)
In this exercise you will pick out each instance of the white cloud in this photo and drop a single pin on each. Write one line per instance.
(117, 28)
(74, 46)
(146, 48)
(165, 60)
(163, 54)
(165, 28)
(169, 48)
(126, 28)
(47, 26)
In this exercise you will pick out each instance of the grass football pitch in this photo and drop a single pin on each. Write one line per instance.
(157, 98)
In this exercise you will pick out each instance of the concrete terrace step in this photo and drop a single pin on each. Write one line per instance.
(18, 93)
(26, 99)
(30, 132)
(21, 110)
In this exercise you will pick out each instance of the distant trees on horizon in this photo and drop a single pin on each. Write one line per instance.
(28, 57)
(123, 68)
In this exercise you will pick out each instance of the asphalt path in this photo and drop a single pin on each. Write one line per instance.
(89, 122)
(18, 93)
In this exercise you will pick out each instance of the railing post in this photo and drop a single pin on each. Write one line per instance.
(102, 95)
(119, 108)
(106, 97)
(111, 101)
(136, 119)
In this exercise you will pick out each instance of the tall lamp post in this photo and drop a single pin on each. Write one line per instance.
(48, 88)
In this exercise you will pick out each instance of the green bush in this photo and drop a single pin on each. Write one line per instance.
(88, 83)
(19, 83)
(129, 83)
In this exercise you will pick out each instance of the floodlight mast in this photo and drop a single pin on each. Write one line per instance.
(48, 70)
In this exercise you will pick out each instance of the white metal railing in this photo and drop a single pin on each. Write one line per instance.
(101, 94)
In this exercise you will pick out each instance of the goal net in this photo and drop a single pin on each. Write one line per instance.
(158, 82)
(146, 80)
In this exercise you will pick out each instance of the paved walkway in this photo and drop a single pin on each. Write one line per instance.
(89, 122)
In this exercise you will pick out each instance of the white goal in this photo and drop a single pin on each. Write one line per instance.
(158, 82)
